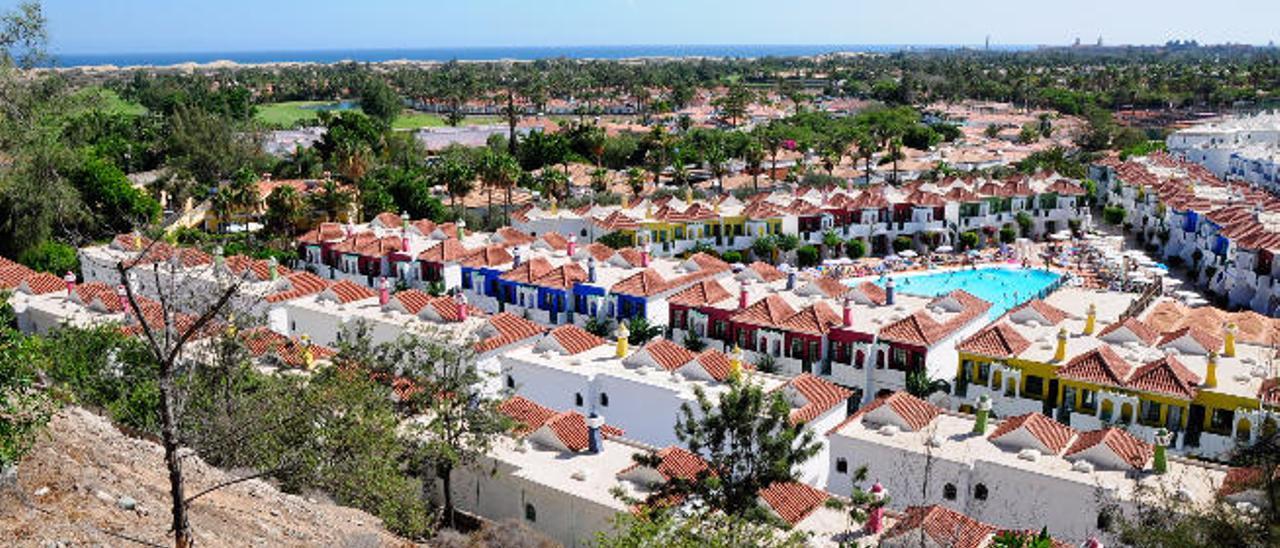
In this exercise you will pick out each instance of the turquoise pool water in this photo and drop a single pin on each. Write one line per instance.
(1003, 288)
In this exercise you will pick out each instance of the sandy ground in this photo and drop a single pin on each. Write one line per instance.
(75, 487)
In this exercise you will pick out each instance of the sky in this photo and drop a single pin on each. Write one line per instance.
(137, 26)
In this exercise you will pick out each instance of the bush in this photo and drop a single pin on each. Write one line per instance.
(856, 249)
(693, 342)
(1008, 234)
(1113, 215)
(50, 256)
(732, 256)
(1024, 222)
(969, 240)
(807, 256)
(901, 243)
(616, 240)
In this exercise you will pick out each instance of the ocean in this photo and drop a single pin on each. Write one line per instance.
(484, 53)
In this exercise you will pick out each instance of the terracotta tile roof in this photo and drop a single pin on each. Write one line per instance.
(528, 271)
(555, 240)
(300, 284)
(676, 462)
(509, 237)
(1132, 450)
(831, 287)
(12, 275)
(872, 292)
(767, 272)
(346, 291)
(631, 255)
(667, 354)
(446, 251)
(921, 329)
(598, 251)
(997, 341)
(1098, 366)
(817, 319)
(387, 219)
(716, 364)
(89, 292)
(42, 283)
(1165, 376)
(511, 329)
(574, 339)
(793, 501)
(1135, 326)
(914, 411)
(820, 396)
(326, 232)
(412, 300)
(618, 221)
(570, 427)
(770, 311)
(1240, 479)
(1051, 433)
(1206, 340)
(1049, 312)
(703, 293)
(944, 526)
(487, 256)
(645, 283)
(563, 277)
(263, 342)
(261, 270)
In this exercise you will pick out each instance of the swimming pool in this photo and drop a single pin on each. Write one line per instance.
(1004, 288)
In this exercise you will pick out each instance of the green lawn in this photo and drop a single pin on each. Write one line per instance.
(289, 114)
(105, 100)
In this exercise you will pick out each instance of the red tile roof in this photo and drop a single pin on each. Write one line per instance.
(574, 339)
(262, 342)
(346, 291)
(921, 329)
(1139, 329)
(511, 329)
(820, 396)
(667, 354)
(815, 319)
(1123, 444)
(1165, 376)
(767, 272)
(703, 293)
(645, 283)
(770, 311)
(944, 526)
(676, 462)
(564, 276)
(998, 341)
(490, 255)
(793, 501)
(301, 284)
(916, 412)
(1051, 433)
(1098, 366)
(570, 427)
(831, 287)
(1206, 340)
(412, 300)
(42, 283)
(717, 364)
(444, 252)
(1049, 312)
(528, 271)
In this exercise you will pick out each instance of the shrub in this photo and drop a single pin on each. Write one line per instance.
(855, 248)
(732, 256)
(1113, 215)
(1024, 222)
(901, 243)
(1008, 234)
(51, 256)
(616, 240)
(693, 342)
(807, 256)
(969, 240)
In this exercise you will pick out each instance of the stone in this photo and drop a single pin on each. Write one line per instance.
(126, 503)
(41, 491)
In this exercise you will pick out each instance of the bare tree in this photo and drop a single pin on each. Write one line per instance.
(166, 342)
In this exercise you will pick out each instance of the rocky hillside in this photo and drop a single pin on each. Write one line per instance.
(87, 484)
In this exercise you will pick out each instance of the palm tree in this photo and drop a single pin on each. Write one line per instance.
(555, 183)
(331, 199)
(832, 242)
(499, 170)
(754, 157)
(867, 147)
(455, 173)
(286, 209)
(635, 180)
(717, 160)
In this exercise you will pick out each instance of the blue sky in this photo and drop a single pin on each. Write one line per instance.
(113, 26)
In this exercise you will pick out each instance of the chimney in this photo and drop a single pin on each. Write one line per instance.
(791, 280)
(1211, 373)
(591, 269)
(1229, 341)
(1091, 320)
(888, 292)
(848, 312)
(460, 301)
(742, 296)
(266, 176)
(623, 334)
(573, 245)
(515, 257)
(1061, 352)
(595, 440)
(875, 518)
(123, 297)
(384, 291)
(462, 229)
(274, 268)
(70, 279)
(984, 408)
(644, 256)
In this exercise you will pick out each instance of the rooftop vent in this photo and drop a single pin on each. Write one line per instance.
(1029, 455)
(580, 475)
(1082, 466)
(889, 430)
(934, 441)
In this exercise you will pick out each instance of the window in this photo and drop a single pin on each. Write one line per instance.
(1034, 386)
(984, 372)
(577, 399)
(582, 233)
(604, 400)
(949, 491)
(1088, 399)
(530, 513)
(980, 491)
(1104, 520)
(1221, 420)
(899, 359)
(293, 326)
(1150, 412)
(842, 466)
(858, 361)
(511, 382)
